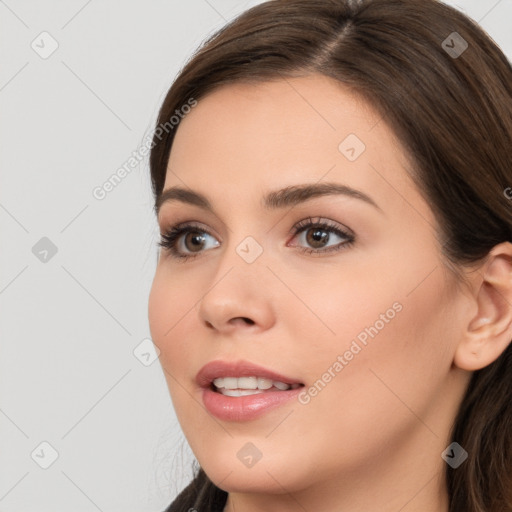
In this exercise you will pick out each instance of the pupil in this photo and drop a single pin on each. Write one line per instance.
(197, 239)
(318, 235)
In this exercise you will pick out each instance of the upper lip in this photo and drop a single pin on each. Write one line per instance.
(218, 368)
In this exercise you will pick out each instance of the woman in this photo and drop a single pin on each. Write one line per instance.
(332, 300)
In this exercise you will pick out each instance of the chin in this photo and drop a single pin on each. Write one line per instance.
(230, 467)
(244, 480)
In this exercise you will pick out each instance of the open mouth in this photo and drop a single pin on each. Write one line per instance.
(251, 385)
(242, 391)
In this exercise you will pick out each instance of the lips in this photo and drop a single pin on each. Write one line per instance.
(243, 386)
(242, 391)
(221, 369)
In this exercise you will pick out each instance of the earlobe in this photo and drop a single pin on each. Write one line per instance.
(489, 332)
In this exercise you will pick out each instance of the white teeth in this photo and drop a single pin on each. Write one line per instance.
(240, 392)
(249, 384)
(219, 382)
(264, 383)
(230, 383)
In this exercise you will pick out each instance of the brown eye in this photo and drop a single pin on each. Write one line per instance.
(321, 236)
(317, 237)
(194, 241)
(187, 241)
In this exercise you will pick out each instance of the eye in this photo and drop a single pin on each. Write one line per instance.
(185, 240)
(318, 234)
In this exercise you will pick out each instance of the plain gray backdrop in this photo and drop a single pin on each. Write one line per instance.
(86, 421)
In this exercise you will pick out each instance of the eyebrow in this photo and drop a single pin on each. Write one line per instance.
(273, 200)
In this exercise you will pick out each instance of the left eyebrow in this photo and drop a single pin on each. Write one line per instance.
(273, 200)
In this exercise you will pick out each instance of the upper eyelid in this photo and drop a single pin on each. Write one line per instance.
(324, 221)
(163, 222)
(297, 227)
(305, 222)
(187, 224)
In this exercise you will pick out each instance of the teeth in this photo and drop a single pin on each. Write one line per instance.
(230, 383)
(240, 392)
(246, 384)
(264, 383)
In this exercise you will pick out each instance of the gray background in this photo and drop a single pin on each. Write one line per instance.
(75, 370)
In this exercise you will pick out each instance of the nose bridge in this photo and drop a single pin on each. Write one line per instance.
(236, 289)
(243, 260)
(245, 243)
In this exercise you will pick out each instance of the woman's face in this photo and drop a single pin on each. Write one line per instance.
(364, 322)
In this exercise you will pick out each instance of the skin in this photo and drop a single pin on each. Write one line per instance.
(372, 439)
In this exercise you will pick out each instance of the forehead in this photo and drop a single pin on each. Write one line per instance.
(262, 136)
(313, 108)
(298, 122)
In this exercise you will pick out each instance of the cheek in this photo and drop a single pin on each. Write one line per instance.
(350, 312)
(390, 357)
(170, 310)
(159, 309)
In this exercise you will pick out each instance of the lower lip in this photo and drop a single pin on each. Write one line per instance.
(248, 407)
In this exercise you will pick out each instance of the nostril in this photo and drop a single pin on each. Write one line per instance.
(244, 319)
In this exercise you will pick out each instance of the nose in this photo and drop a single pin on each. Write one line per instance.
(239, 298)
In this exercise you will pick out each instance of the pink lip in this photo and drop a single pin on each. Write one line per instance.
(243, 408)
(214, 369)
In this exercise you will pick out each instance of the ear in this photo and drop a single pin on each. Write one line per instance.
(490, 331)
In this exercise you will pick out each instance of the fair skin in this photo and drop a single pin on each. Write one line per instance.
(372, 439)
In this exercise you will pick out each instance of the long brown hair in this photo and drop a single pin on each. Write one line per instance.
(445, 88)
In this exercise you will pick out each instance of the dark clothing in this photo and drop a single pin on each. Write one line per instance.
(201, 495)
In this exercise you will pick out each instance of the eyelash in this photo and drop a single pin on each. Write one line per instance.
(170, 238)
